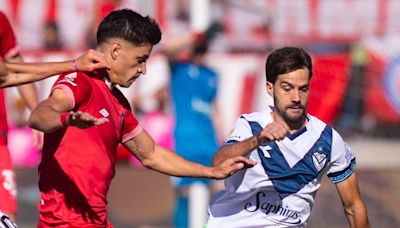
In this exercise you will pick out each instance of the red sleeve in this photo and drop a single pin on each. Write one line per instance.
(131, 127)
(8, 44)
(76, 85)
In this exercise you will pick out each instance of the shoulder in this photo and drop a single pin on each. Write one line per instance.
(317, 124)
(262, 117)
(254, 116)
(74, 79)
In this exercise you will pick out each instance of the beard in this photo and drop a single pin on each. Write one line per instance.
(291, 119)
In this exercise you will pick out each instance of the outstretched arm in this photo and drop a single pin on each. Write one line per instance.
(273, 131)
(3, 69)
(22, 73)
(354, 206)
(165, 161)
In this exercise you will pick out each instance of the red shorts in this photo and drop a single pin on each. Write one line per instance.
(8, 190)
(43, 224)
(54, 212)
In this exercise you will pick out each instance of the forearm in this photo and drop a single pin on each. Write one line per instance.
(238, 149)
(170, 163)
(357, 215)
(22, 73)
(29, 95)
(3, 71)
(46, 119)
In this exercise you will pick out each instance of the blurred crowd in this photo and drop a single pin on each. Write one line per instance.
(249, 30)
(358, 98)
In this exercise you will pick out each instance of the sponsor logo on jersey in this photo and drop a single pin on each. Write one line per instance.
(5, 222)
(265, 150)
(104, 113)
(319, 159)
(69, 78)
(288, 215)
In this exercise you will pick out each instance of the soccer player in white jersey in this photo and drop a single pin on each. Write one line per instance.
(293, 149)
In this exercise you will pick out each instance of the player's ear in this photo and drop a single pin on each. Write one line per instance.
(115, 50)
(270, 88)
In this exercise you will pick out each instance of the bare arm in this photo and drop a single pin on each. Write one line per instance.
(165, 161)
(273, 131)
(22, 73)
(175, 46)
(354, 206)
(3, 69)
(46, 117)
(28, 91)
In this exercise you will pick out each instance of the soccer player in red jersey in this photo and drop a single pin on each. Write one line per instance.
(14, 72)
(9, 52)
(86, 117)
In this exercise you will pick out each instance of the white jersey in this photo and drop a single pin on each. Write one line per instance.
(5, 222)
(279, 191)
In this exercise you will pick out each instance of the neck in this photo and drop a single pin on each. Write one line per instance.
(103, 73)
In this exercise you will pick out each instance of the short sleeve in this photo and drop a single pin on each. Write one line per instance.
(8, 44)
(240, 132)
(76, 86)
(131, 127)
(343, 160)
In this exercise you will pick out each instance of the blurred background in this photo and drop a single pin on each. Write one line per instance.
(355, 46)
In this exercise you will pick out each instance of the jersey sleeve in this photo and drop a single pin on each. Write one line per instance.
(240, 132)
(8, 44)
(76, 86)
(343, 160)
(131, 127)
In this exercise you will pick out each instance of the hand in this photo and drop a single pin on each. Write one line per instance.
(84, 120)
(273, 131)
(90, 61)
(231, 166)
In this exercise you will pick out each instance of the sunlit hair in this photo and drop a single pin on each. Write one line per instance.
(130, 26)
(286, 60)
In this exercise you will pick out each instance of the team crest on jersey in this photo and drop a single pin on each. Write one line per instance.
(69, 79)
(319, 160)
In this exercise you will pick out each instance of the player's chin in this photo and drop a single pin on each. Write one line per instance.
(295, 116)
(126, 84)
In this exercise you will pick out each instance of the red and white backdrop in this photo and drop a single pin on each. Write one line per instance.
(273, 22)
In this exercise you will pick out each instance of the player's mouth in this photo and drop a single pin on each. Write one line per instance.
(296, 108)
(133, 78)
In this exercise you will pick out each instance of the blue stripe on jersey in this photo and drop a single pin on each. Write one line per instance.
(343, 175)
(231, 142)
(287, 180)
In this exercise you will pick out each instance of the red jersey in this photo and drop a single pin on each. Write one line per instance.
(78, 164)
(8, 49)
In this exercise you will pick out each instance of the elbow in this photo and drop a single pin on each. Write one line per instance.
(35, 122)
(32, 121)
(149, 163)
